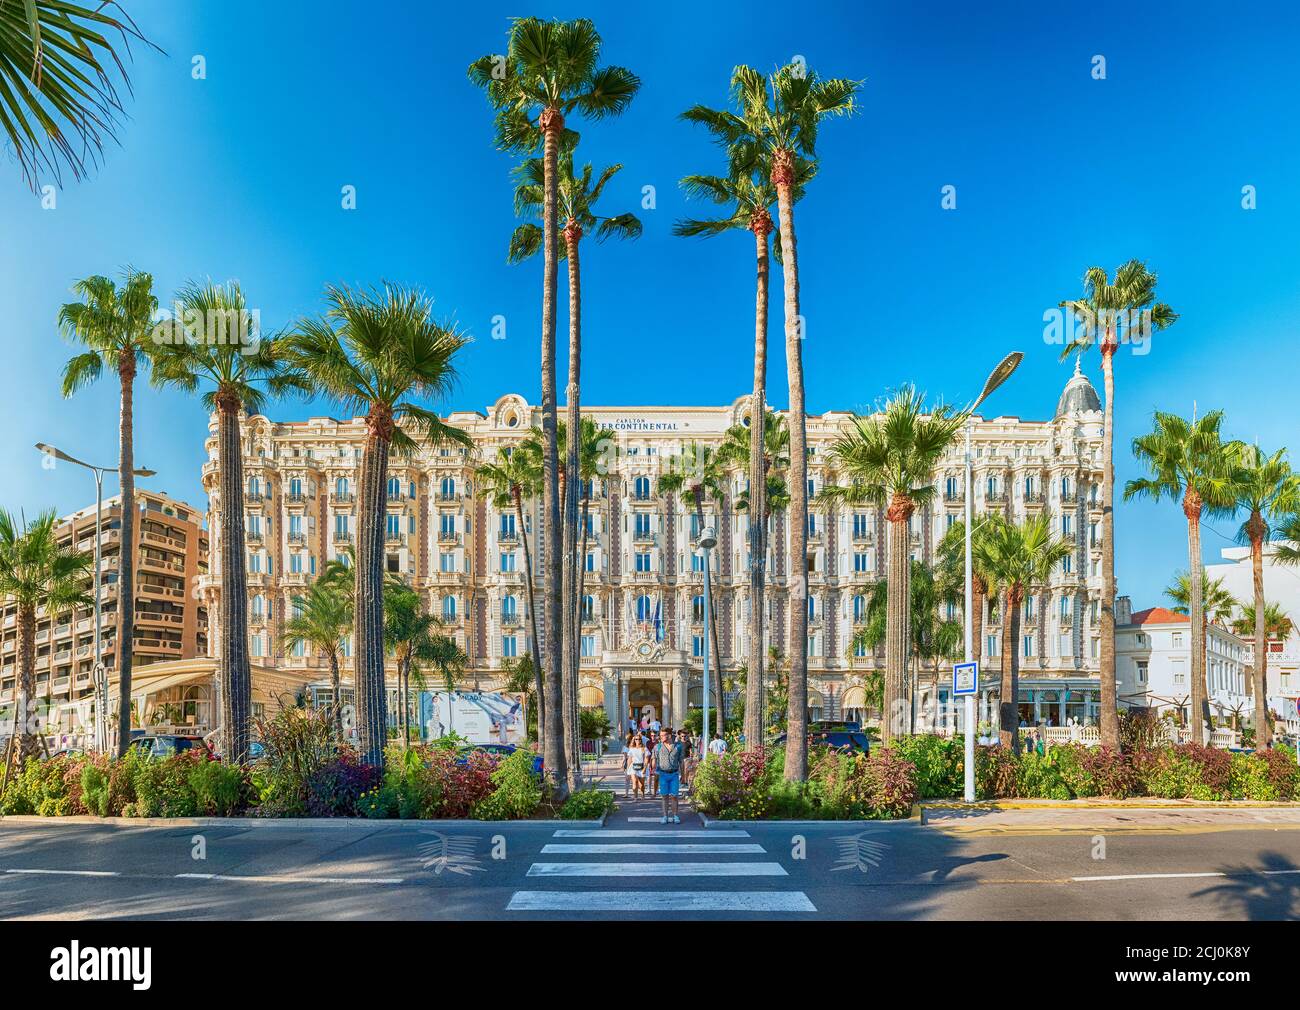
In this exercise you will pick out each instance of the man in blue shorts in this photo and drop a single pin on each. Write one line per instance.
(668, 763)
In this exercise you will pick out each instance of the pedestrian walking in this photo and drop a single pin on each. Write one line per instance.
(667, 761)
(718, 746)
(635, 764)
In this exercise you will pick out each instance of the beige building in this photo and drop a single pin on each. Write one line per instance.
(171, 623)
(642, 628)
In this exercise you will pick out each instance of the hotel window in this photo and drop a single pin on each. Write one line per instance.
(861, 527)
(643, 561)
(812, 645)
(1029, 608)
(295, 487)
(394, 488)
(449, 608)
(643, 608)
(991, 646)
(254, 486)
(1066, 526)
(507, 525)
(641, 524)
(297, 649)
(1180, 675)
(341, 487)
(1178, 639)
(812, 524)
(256, 641)
(812, 608)
(861, 562)
(295, 526)
(591, 561)
(1029, 646)
(588, 645)
(697, 608)
(295, 563)
(697, 646)
(509, 647)
(950, 519)
(447, 487)
(1067, 564)
(1142, 671)
(588, 612)
(447, 524)
(950, 488)
(695, 526)
(393, 525)
(393, 564)
(255, 563)
(340, 526)
(259, 605)
(697, 563)
(254, 526)
(447, 562)
(859, 608)
(641, 488)
(859, 648)
(509, 607)
(507, 561)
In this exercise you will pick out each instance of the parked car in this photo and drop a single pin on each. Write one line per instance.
(503, 750)
(167, 744)
(848, 741)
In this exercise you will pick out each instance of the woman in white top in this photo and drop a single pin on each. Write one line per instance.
(634, 762)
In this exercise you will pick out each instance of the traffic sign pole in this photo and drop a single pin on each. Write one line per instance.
(966, 683)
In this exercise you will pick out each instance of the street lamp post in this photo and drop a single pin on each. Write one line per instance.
(998, 376)
(99, 673)
(708, 540)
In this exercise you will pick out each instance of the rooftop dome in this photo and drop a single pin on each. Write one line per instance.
(1078, 396)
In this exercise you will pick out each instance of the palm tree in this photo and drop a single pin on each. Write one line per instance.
(411, 636)
(951, 575)
(1277, 624)
(36, 571)
(378, 352)
(1188, 460)
(321, 618)
(748, 201)
(777, 124)
(695, 473)
(505, 484)
(930, 636)
(764, 452)
(58, 99)
(1018, 557)
(550, 70)
(1131, 299)
(578, 195)
(1218, 604)
(215, 341)
(1266, 489)
(116, 328)
(888, 460)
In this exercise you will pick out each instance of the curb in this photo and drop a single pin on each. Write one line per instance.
(1135, 806)
(285, 823)
(916, 817)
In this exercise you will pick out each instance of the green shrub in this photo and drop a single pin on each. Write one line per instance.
(588, 804)
(736, 785)
(997, 773)
(1039, 775)
(94, 789)
(161, 785)
(220, 790)
(940, 764)
(517, 790)
(1250, 779)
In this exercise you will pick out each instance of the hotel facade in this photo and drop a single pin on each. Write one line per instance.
(642, 635)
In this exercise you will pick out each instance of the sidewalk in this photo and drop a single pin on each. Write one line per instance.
(1149, 817)
(633, 811)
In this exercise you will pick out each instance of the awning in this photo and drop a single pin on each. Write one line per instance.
(591, 697)
(853, 697)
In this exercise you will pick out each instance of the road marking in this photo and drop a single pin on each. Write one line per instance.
(737, 848)
(72, 873)
(657, 870)
(286, 879)
(648, 833)
(1149, 876)
(660, 901)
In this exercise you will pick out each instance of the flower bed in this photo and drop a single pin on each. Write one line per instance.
(751, 786)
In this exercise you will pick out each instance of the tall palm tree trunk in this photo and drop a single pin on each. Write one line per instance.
(895, 720)
(761, 225)
(336, 684)
(1263, 732)
(573, 485)
(370, 688)
(553, 755)
(532, 621)
(126, 557)
(235, 678)
(1106, 672)
(1009, 701)
(28, 744)
(1196, 612)
(796, 752)
(979, 603)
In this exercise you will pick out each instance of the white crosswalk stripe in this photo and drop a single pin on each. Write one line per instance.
(657, 870)
(731, 861)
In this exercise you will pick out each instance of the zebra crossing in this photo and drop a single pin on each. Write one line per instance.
(732, 855)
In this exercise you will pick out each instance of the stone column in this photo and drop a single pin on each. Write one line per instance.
(665, 702)
(679, 699)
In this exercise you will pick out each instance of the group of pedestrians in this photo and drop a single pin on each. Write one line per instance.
(665, 761)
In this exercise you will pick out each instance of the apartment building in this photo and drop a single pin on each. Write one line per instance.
(642, 637)
(171, 547)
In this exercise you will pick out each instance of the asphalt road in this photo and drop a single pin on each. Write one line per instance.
(990, 867)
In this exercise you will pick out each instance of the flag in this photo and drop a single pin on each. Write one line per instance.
(658, 624)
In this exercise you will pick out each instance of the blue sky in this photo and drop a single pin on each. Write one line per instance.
(239, 176)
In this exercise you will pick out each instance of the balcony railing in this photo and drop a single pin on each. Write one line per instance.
(449, 537)
(341, 498)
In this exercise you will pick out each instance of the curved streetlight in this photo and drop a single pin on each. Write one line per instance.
(996, 378)
(101, 680)
(708, 540)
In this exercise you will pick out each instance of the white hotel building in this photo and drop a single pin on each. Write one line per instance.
(465, 557)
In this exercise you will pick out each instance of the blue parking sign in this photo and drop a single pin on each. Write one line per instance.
(965, 678)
